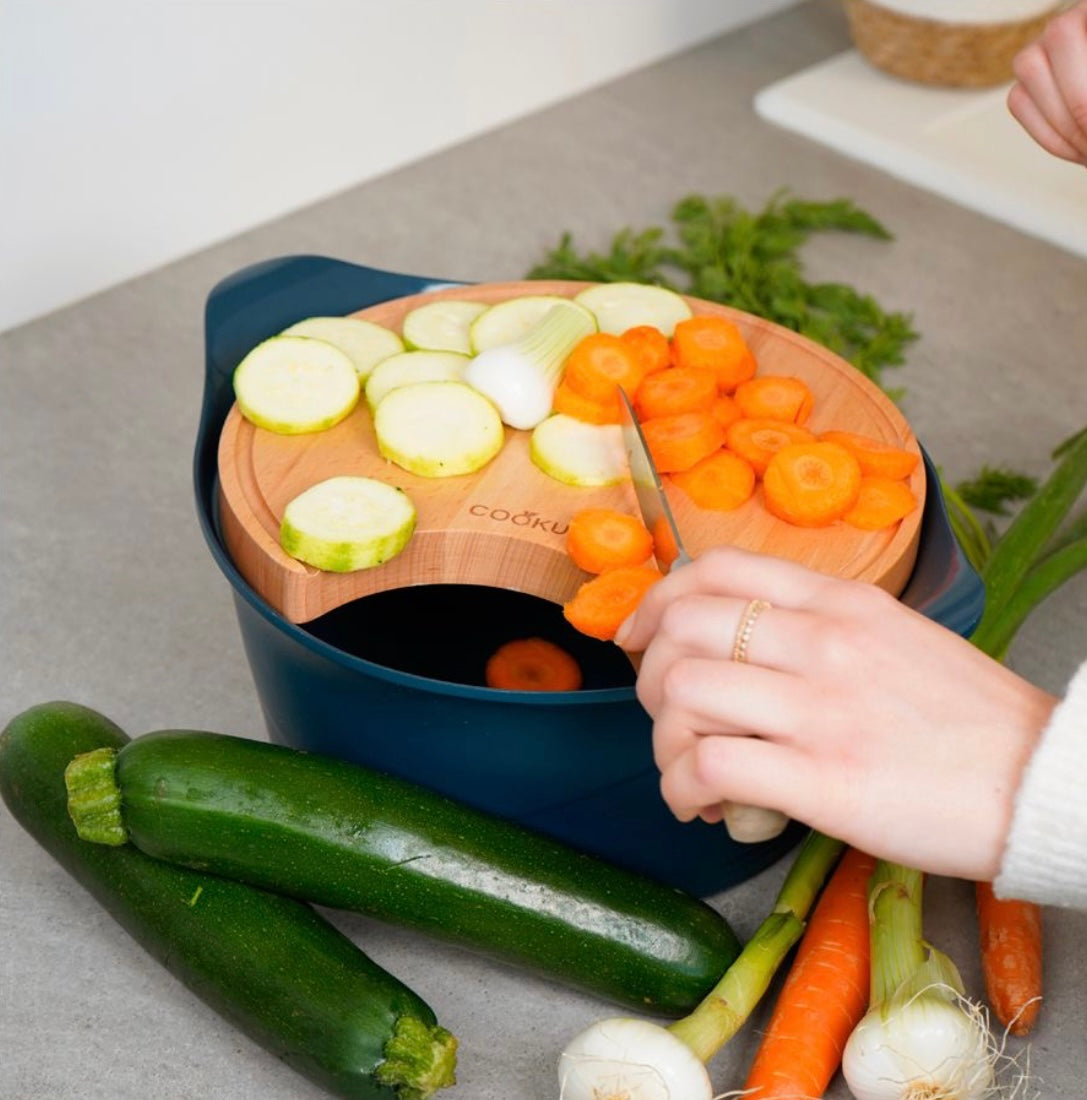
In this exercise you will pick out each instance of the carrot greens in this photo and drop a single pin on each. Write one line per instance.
(718, 250)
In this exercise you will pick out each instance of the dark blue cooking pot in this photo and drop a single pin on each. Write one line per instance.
(575, 765)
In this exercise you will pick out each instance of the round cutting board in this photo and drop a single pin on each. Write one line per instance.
(505, 525)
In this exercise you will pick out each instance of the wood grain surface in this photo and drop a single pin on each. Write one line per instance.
(505, 525)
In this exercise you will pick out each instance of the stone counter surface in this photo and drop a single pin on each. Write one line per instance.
(109, 597)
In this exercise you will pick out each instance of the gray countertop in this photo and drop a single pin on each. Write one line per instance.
(109, 597)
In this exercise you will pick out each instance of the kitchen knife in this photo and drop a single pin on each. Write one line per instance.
(747, 824)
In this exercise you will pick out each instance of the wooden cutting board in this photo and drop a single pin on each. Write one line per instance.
(504, 526)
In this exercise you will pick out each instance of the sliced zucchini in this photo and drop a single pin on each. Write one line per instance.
(296, 384)
(365, 342)
(442, 325)
(507, 322)
(438, 429)
(413, 366)
(578, 453)
(619, 306)
(347, 523)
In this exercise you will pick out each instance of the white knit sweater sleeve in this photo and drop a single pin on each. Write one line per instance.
(1045, 859)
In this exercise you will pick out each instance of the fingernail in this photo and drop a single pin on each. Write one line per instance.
(625, 627)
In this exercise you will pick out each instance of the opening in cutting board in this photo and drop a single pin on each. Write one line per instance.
(448, 631)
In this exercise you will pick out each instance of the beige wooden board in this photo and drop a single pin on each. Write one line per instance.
(504, 525)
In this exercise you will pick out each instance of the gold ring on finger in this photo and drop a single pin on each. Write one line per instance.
(744, 631)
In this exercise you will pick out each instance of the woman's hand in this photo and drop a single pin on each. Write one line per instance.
(852, 712)
(1049, 98)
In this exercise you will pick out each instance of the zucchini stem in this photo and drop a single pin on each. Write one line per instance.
(94, 799)
(420, 1058)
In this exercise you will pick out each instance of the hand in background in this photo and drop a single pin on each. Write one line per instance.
(1049, 97)
(853, 713)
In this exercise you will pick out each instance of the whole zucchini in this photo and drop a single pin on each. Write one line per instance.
(340, 835)
(270, 964)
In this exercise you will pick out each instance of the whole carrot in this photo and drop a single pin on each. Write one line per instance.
(824, 994)
(1010, 936)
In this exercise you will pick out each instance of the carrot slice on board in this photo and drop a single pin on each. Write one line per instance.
(725, 410)
(603, 538)
(678, 442)
(675, 390)
(717, 343)
(600, 605)
(759, 440)
(774, 397)
(720, 483)
(874, 455)
(651, 346)
(532, 664)
(881, 502)
(569, 401)
(599, 363)
(825, 993)
(1010, 938)
(811, 484)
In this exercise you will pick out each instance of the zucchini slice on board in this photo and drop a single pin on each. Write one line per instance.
(272, 966)
(413, 366)
(296, 384)
(347, 523)
(444, 325)
(345, 836)
(365, 342)
(507, 322)
(619, 306)
(576, 452)
(438, 429)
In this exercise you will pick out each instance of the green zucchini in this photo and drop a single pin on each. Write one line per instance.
(270, 964)
(343, 836)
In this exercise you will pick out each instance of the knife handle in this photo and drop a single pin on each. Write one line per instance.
(745, 824)
(752, 824)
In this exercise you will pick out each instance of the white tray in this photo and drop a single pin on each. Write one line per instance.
(962, 144)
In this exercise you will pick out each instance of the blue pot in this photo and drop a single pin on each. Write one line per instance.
(574, 765)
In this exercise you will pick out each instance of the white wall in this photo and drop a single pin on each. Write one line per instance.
(133, 132)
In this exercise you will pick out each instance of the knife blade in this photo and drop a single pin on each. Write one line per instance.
(649, 489)
(745, 824)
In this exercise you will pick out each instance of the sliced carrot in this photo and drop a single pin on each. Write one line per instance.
(825, 993)
(601, 362)
(725, 410)
(715, 342)
(875, 456)
(651, 345)
(532, 664)
(759, 440)
(811, 484)
(604, 538)
(721, 482)
(881, 502)
(567, 400)
(1010, 936)
(775, 397)
(675, 390)
(678, 442)
(600, 605)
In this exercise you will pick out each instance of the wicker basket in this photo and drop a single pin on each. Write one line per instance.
(964, 55)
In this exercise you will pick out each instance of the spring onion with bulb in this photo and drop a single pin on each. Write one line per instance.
(921, 1039)
(520, 377)
(629, 1058)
